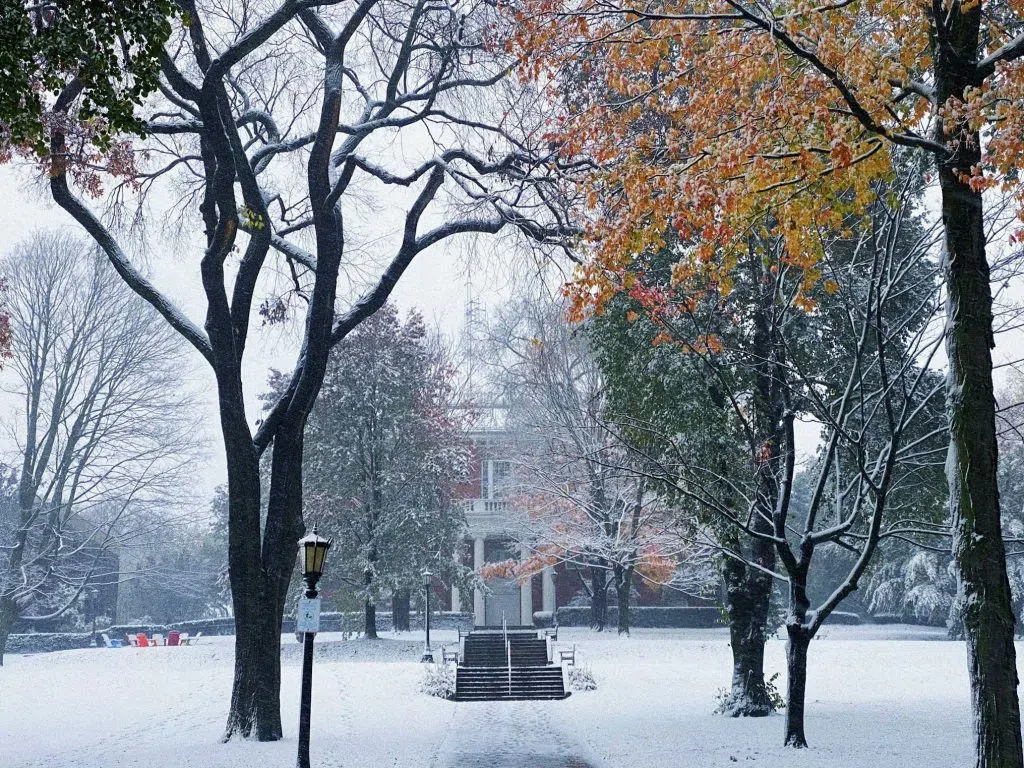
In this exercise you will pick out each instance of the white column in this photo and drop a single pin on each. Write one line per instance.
(526, 603)
(479, 619)
(548, 589)
(456, 599)
(526, 597)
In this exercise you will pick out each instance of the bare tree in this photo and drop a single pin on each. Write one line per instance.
(105, 435)
(385, 449)
(403, 102)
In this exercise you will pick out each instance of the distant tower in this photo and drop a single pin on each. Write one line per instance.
(473, 335)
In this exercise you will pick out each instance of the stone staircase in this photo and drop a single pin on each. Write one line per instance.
(483, 674)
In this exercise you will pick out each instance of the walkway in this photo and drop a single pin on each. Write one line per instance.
(508, 734)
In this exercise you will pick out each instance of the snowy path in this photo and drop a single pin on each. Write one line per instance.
(510, 734)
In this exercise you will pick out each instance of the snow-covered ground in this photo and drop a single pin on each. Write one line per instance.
(884, 697)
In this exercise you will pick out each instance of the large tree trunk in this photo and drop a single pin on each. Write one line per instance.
(260, 565)
(748, 585)
(8, 613)
(796, 657)
(400, 610)
(972, 461)
(268, 672)
(244, 572)
(971, 467)
(623, 586)
(598, 598)
(370, 619)
(748, 593)
(281, 535)
(796, 684)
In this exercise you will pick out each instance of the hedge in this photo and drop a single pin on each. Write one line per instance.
(330, 621)
(354, 621)
(843, 617)
(659, 616)
(45, 642)
(898, 618)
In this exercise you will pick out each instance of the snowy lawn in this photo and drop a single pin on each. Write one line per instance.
(884, 697)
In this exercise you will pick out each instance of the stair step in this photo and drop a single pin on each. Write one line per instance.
(483, 674)
(517, 674)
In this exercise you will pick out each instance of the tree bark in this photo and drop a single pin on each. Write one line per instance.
(796, 684)
(284, 527)
(971, 468)
(244, 573)
(972, 462)
(598, 598)
(8, 613)
(748, 585)
(400, 610)
(370, 617)
(623, 586)
(748, 595)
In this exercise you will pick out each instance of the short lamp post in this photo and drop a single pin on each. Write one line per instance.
(554, 603)
(428, 581)
(92, 600)
(313, 550)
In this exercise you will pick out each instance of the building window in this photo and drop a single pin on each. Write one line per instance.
(496, 478)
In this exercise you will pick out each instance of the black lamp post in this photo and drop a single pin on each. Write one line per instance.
(313, 549)
(92, 600)
(428, 580)
(554, 602)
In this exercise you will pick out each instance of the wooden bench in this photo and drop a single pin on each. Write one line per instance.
(566, 655)
(447, 655)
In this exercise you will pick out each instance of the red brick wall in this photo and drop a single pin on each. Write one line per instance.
(470, 487)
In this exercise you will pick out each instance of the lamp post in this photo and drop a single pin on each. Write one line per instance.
(92, 597)
(313, 549)
(554, 603)
(428, 580)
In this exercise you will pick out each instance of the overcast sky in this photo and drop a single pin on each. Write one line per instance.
(436, 284)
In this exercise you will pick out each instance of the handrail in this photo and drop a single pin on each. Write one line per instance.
(508, 651)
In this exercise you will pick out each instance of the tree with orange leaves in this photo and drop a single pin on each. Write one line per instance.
(850, 366)
(710, 116)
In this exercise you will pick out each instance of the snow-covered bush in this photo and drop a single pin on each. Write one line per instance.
(438, 680)
(581, 678)
(922, 587)
(730, 705)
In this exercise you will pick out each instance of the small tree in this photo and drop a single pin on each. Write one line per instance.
(385, 448)
(861, 381)
(650, 393)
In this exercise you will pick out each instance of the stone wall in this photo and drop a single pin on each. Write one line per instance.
(669, 616)
(330, 621)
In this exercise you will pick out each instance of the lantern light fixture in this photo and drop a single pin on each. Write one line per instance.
(314, 548)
